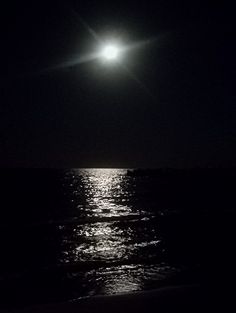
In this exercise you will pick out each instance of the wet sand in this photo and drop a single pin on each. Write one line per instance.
(189, 298)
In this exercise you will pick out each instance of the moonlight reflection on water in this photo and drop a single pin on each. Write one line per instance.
(106, 192)
(115, 236)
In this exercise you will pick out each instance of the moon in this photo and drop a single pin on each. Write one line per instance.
(110, 52)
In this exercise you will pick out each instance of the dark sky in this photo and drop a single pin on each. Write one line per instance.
(92, 115)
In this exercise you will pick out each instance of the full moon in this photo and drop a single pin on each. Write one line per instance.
(110, 52)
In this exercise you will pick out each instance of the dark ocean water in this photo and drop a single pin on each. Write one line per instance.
(67, 234)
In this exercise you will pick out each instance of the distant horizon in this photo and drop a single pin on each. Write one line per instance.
(117, 168)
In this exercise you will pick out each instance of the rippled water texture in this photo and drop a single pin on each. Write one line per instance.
(82, 232)
(115, 233)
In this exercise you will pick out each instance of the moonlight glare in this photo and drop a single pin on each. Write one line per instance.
(110, 52)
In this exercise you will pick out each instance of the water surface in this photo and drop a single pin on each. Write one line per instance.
(72, 233)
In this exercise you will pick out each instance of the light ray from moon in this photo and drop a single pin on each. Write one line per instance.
(85, 25)
(138, 81)
(73, 62)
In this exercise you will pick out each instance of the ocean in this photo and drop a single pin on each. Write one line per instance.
(75, 233)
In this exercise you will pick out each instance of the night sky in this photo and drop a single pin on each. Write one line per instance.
(96, 115)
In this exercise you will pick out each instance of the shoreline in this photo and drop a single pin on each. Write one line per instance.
(166, 299)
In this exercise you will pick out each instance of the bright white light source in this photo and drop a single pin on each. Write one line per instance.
(110, 53)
